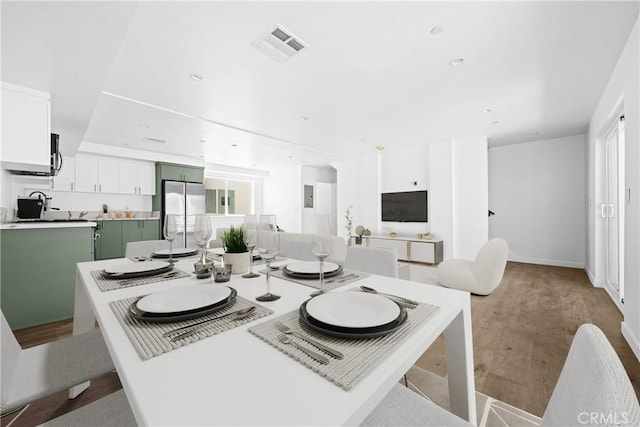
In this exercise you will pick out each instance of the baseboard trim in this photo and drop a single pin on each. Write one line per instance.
(550, 262)
(614, 296)
(631, 339)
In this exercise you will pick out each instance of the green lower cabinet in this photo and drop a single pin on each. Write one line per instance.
(109, 245)
(38, 272)
(114, 236)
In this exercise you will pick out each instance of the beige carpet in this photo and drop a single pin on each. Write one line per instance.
(490, 412)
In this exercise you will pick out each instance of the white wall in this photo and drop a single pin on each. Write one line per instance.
(358, 188)
(282, 196)
(623, 88)
(441, 195)
(312, 176)
(470, 196)
(537, 190)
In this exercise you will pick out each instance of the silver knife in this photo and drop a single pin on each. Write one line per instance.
(244, 311)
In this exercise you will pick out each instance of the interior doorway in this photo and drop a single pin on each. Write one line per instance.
(612, 209)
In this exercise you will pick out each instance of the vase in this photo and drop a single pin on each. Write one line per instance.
(239, 262)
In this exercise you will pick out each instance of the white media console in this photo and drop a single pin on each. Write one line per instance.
(407, 248)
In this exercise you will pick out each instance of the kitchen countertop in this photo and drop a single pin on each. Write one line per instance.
(32, 225)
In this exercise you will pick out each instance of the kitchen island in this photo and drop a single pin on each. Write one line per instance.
(38, 267)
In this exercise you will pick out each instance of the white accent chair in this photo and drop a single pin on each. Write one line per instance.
(144, 247)
(380, 261)
(592, 382)
(39, 371)
(481, 276)
(111, 410)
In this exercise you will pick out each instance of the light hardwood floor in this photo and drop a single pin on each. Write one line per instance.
(521, 336)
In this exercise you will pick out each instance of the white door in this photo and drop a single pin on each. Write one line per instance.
(612, 208)
(325, 203)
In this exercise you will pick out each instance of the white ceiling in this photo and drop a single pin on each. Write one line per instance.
(372, 75)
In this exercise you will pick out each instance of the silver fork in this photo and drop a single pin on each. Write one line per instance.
(286, 340)
(287, 330)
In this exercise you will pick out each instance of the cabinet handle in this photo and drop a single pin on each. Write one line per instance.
(72, 186)
(100, 187)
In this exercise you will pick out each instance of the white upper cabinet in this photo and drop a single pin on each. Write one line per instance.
(66, 178)
(26, 129)
(97, 174)
(137, 178)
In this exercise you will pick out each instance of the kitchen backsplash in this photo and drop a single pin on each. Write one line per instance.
(76, 202)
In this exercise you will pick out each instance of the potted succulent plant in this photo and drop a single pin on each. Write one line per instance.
(235, 250)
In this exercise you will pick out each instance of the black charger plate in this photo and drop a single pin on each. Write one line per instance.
(356, 333)
(146, 316)
(118, 276)
(311, 276)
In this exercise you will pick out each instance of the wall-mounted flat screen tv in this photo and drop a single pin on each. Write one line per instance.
(408, 206)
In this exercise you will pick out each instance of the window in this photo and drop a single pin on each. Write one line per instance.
(229, 196)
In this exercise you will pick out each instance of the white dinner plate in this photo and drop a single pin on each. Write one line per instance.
(138, 267)
(176, 251)
(184, 298)
(353, 309)
(311, 267)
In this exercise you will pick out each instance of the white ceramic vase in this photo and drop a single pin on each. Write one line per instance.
(239, 262)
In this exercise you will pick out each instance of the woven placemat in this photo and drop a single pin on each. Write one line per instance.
(147, 338)
(347, 276)
(360, 356)
(111, 284)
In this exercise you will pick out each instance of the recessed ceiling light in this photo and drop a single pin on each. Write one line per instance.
(203, 141)
(291, 157)
(456, 61)
(234, 145)
(495, 122)
(437, 30)
(487, 110)
(142, 125)
(197, 77)
(534, 133)
(305, 118)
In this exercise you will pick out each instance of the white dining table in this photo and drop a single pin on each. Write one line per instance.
(234, 378)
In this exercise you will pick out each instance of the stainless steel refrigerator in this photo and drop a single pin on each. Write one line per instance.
(185, 200)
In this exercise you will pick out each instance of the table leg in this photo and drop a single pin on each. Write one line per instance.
(459, 352)
(83, 321)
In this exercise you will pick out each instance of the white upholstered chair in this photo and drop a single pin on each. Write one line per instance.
(38, 371)
(380, 261)
(592, 381)
(480, 276)
(144, 247)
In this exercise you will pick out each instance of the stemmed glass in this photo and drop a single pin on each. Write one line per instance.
(250, 230)
(321, 245)
(170, 232)
(268, 248)
(201, 234)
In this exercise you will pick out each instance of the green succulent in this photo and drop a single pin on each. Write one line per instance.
(233, 240)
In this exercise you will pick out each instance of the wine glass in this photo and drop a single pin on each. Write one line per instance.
(268, 248)
(321, 245)
(201, 234)
(250, 230)
(170, 232)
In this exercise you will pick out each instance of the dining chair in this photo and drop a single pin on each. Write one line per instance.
(297, 249)
(593, 389)
(144, 247)
(380, 261)
(39, 371)
(480, 276)
(111, 410)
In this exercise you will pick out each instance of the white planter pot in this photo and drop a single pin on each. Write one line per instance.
(239, 262)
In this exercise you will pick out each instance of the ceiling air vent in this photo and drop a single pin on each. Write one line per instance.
(279, 44)
(155, 140)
